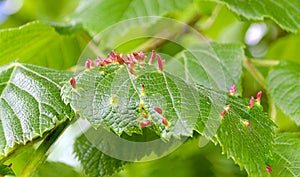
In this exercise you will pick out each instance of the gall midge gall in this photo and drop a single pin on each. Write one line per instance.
(251, 102)
(164, 121)
(158, 110)
(232, 90)
(159, 62)
(268, 168)
(152, 57)
(258, 96)
(73, 82)
(145, 124)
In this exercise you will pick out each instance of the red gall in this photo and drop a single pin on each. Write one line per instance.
(268, 168)
(145, 124)
(251, 102)
(258, 96)
(157, 109)
(73, 82)
(89, 64)
(164, 121)
(160, 62)
(152, 57)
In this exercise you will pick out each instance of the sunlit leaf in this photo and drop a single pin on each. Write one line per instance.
(284, 86)
(38, 43)
(286, 13)
(30, 102)
(93, 14)
(286, 155)
(94, 162)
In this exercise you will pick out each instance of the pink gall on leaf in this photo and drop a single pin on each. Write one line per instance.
(247, 123)
(165, 121)
(232, 90)
(157, 109)
(251, 102)
(152, 57)
(89, 64)
(223, 113)
(145, 124)
(268, 168)
(160, 62)
(258, 97)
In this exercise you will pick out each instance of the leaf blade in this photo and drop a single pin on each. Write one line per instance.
(38, 43)
(30, 103)
(286, 155)
(284, 86)
(285, 13)
(95, 19)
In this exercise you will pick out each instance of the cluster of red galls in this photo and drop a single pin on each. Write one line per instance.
(164, 120)
(130, 60)
(232, 92)
(139, 58)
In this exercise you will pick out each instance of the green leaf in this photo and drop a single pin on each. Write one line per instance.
(6, 170)
(30, 102)
(284, 85)
(94, 162)
(202, 64)
(286, 13)
(249, 146)
(94, 17)
(38, 43)
(285, 49)
(286, 155)
(51, 169)
(112, 97)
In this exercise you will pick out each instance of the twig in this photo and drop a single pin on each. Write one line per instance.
(255, 73)
(41, 153)
(158, 42)
(212, 18)
(265, 62)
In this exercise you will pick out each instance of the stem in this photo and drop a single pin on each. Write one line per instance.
(265, 62)
(158, 42)
(255, 73)
(212, 18)
(91, 43)
(41, 153)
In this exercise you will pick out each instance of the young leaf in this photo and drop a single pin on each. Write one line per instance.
(285, 13)
(202, 64)
(113, 97)
(30, 102)
(94, 162)
(284, 85)
(50, 169)
(286, 155)
(38, 43)
(94, 17)
(246, 135)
